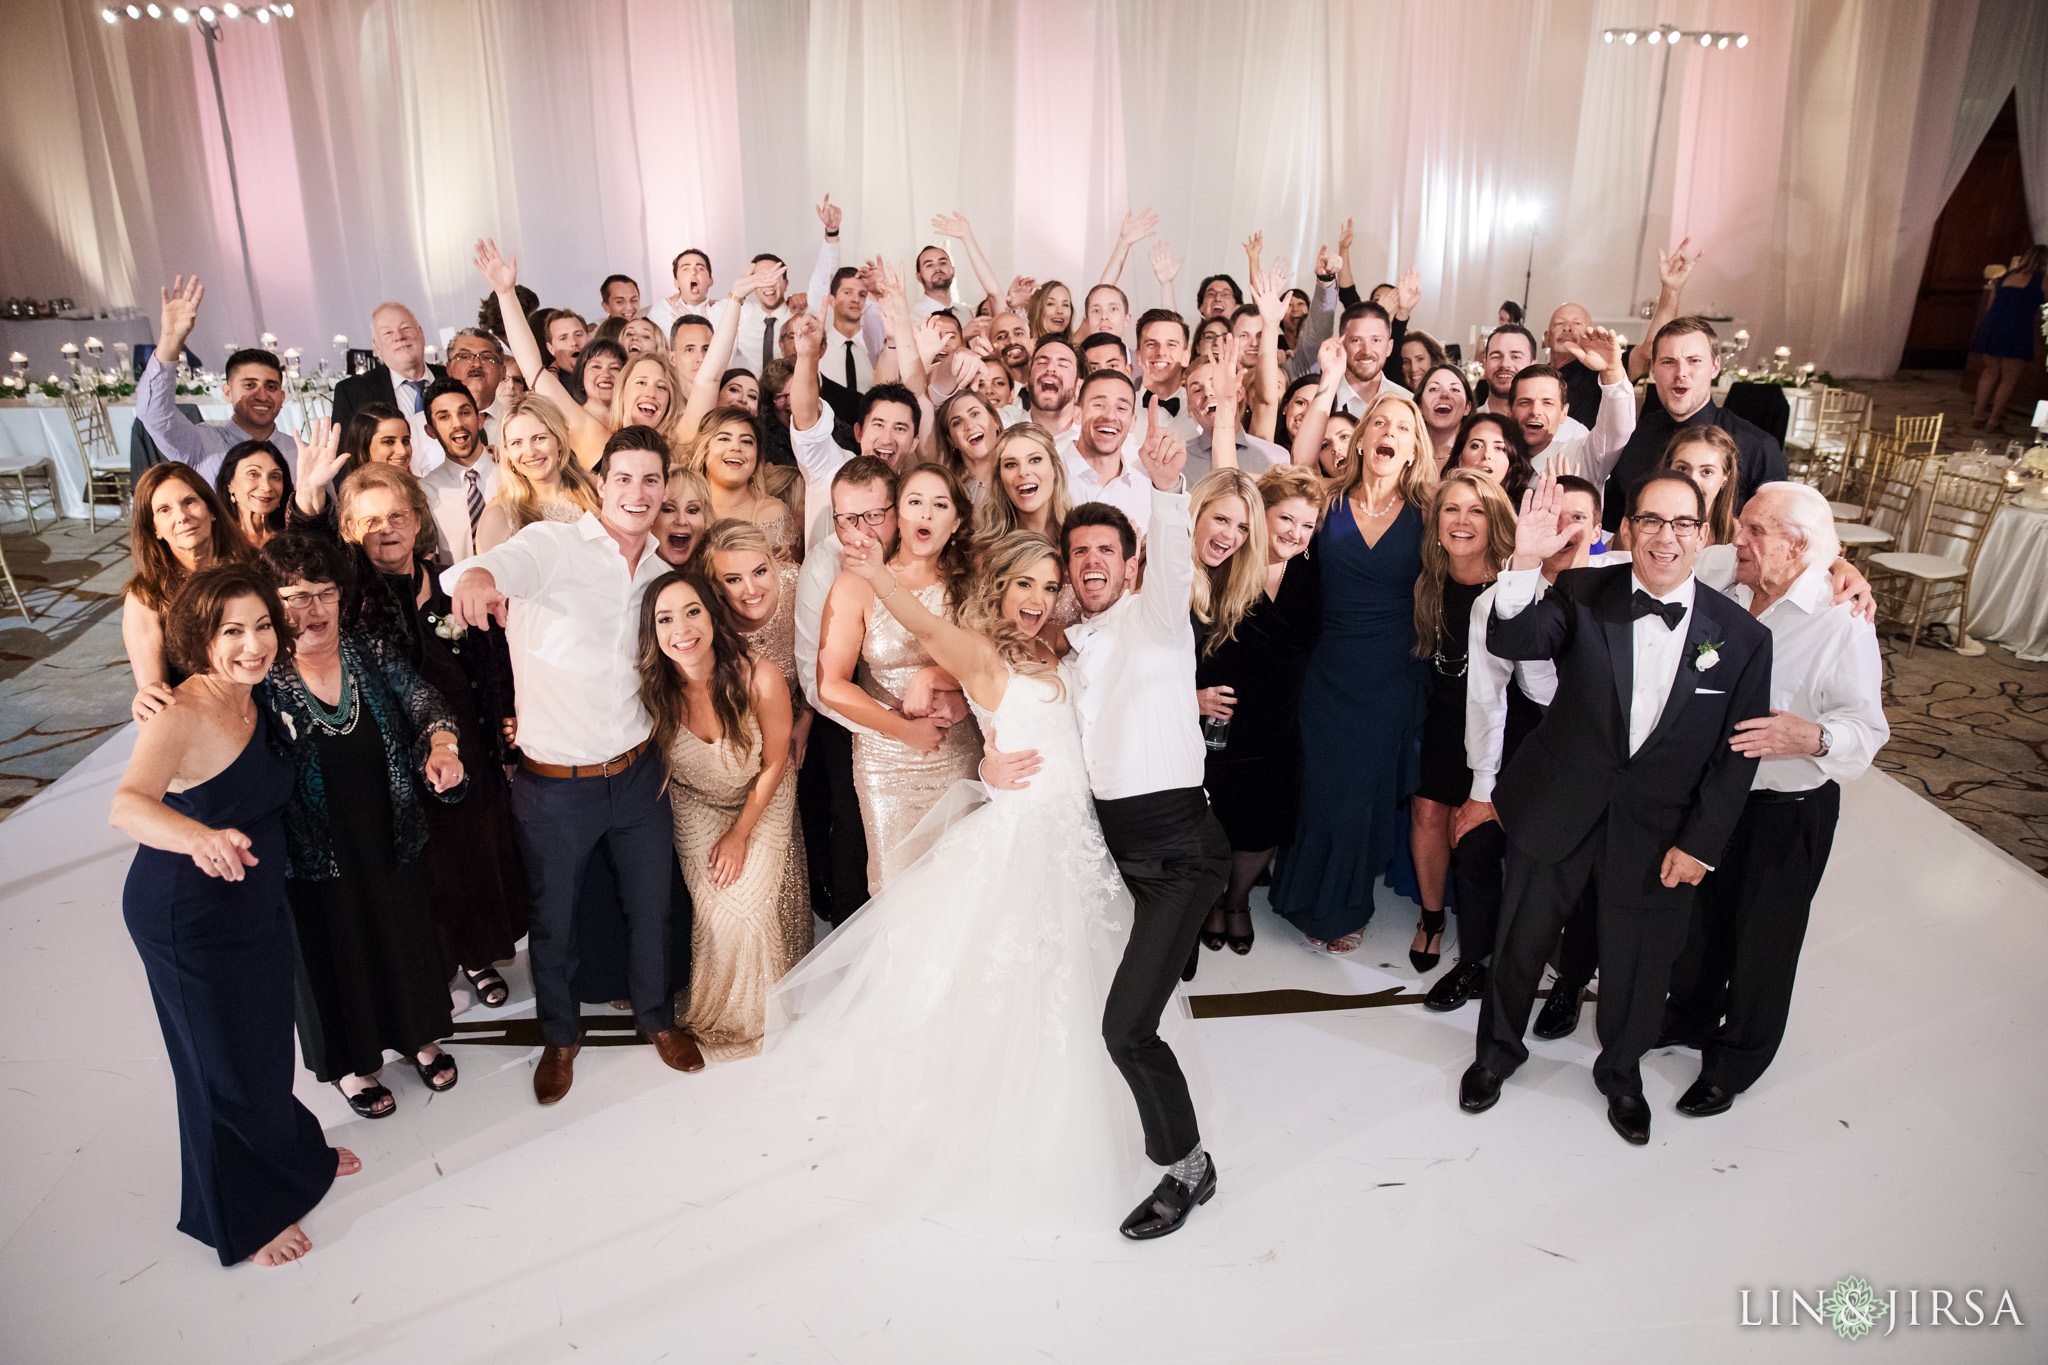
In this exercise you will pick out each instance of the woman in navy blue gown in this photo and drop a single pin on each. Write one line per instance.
(206, 907)
(1362, 701)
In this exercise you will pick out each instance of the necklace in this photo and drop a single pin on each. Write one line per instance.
(339, 719)
(1366, 507)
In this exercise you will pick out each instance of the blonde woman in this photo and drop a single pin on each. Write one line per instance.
(538, 478)
(685, 513)
(1028, 493)
(1051, 311)
(1249, 683)
(727, 453)
(1361, 701)
(967, 429)
(1471, 533)
(645, 397)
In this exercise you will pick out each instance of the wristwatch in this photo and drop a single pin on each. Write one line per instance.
(1826, 742)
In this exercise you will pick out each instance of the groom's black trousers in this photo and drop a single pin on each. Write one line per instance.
(1176, 860)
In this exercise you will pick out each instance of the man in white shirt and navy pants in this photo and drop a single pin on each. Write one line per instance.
(1134, 669)
(587, 771)
(1731, 990)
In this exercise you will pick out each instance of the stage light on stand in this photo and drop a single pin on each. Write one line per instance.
(231, 11)
(262, 16)
(206, 14)
(1608, 36)
(1656, 36)
(155, 12)
(110, 16)
(134, 13)
(1629, 38)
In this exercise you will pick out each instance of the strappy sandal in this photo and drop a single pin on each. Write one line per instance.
(365, 1101)
(1350, 943)
(431, 1074)
(489, 986)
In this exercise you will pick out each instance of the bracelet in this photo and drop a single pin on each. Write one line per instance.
(452, 747)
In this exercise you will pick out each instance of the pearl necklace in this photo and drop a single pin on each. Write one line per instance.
(1366, 507)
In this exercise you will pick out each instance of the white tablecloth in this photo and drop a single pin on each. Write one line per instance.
(2009, 595)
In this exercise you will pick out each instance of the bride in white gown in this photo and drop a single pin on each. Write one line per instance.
(947, 1037)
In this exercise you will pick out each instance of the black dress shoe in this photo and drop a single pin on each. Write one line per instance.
(1479, 1089)
(1559, 1017)
(1456, 986)
(1630, 1115)
(1703, 1099)
(1169, 1206)
(1187, 973)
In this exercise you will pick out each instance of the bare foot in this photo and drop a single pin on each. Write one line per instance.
(288, 1245)
(346, 1162)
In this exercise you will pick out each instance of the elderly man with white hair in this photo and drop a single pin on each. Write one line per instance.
(1731, 988)
(401, 378)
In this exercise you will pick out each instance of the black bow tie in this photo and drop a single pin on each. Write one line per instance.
(1172, 405)
(1642, 604)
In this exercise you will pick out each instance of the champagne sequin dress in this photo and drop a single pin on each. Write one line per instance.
(897, 784)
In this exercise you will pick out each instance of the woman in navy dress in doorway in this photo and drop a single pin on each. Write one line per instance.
(206, 907)
(2005, 335)
(1362, 701)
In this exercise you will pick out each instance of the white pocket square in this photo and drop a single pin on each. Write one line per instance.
(1710, 691)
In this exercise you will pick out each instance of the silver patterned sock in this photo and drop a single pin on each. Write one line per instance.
(1190, 1169)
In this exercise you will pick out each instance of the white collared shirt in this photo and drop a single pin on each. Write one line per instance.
(819, 457)
(1824, 668)
(1348, 400)
(426, 451)
(574, 636)
(447, 488)
(1133, 668)
(1658, 649)
(1591, 454)
(1129, 491)
(838, 346)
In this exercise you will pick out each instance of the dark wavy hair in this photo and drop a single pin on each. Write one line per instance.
(956, 561)
(309, 557)
(362, 429)
(1520, 470)
(158, 575)
(224, 478)
(664, 691)
(194, 616)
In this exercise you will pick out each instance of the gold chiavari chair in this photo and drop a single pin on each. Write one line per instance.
(1874, 470)
(1859, 465)
(1844, 415)
(1918, 435)
(19, 475)
(8, 574)
(1911, 586)
(107, 473)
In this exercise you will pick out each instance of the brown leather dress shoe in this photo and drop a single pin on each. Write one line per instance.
(677, 1048)
(555, 1074)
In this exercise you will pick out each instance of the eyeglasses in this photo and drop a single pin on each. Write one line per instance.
(295, 601)
(1649, 524)
(874, 518)
(475, 358)
(401, 518)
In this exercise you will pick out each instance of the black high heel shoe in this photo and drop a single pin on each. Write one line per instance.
(1239, 943)
(1432, 927)
(1213, 939)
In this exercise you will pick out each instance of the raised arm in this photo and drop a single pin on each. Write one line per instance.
(1599, 350)
(1308, 442)
(805, 406)
(320, 463)
(968, 656)
(1269, 292)
(1345, 279)
(1229, 399)
(1674, 268)
(1164, 269)
(827, 264)
(956, 226)
(156, 396)
(1321, 321)
(1169, 541)
(502, 273)
(1136, 228)
(724, 332)
(896, 315)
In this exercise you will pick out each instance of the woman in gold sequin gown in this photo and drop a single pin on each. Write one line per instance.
(904, 758)
(722, 717)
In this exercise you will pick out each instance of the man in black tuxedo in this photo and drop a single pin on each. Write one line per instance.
(1629, 786)
(1683, 365)
(402, 376)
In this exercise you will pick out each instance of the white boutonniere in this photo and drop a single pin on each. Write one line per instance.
(1709, 655)
(285, 719)
(448, 627)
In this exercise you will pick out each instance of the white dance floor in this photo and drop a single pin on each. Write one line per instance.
(648, 1217)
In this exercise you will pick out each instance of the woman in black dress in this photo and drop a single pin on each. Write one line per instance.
(1248, 682)
(364, 730)
(1470, 532)
(205, 904)
(475, 874)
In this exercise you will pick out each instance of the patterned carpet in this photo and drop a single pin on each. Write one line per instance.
(1969, 734)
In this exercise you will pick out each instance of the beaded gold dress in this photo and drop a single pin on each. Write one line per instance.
(743, 936)
(895, 783)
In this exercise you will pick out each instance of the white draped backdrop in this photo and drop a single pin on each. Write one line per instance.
(377, 138)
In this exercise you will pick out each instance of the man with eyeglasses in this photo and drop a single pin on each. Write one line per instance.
(477, 359)
(1684, 365)
(1629, 786)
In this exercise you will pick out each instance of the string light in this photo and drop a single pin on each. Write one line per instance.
(263, 14)
(1664, 35)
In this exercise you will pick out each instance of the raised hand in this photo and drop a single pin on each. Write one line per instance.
(223, 853)
(1164, 456)
(180, 311)
(1344, 238)
(931, 339)
(759, 277)
(320, 455)
(1326, 264)
(1269, 292)
(888, 280)
(1540, 531)
(1330, 358)
(1164, 268)
(807, 331)
(1254, 247)
(503, 274)
(1598, 349)
(799, 304)
(952, 225)
(1408, 292)
(1018, 298)
(1674, 267)
(963, 367)
(864, 561)
(829, 214)
(1137, 227)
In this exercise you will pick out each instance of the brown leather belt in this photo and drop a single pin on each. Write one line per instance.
(611, 767)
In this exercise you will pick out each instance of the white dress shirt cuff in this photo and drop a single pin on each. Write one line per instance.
(1517, 589)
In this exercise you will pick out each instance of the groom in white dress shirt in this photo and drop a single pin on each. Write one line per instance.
(1133, 666)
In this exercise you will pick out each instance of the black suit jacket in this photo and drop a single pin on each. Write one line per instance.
(1762, 458)
(1684, 788)
(371, 386)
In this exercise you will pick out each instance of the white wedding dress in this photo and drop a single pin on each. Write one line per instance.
(945, 1042)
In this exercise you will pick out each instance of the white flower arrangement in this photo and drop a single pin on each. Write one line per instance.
(449, 628)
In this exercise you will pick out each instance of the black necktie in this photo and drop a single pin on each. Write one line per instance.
(767, 341)
(852, 379)
(1172, 405)
(1642, 604)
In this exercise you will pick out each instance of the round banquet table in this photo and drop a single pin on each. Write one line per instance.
(2009, 595)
